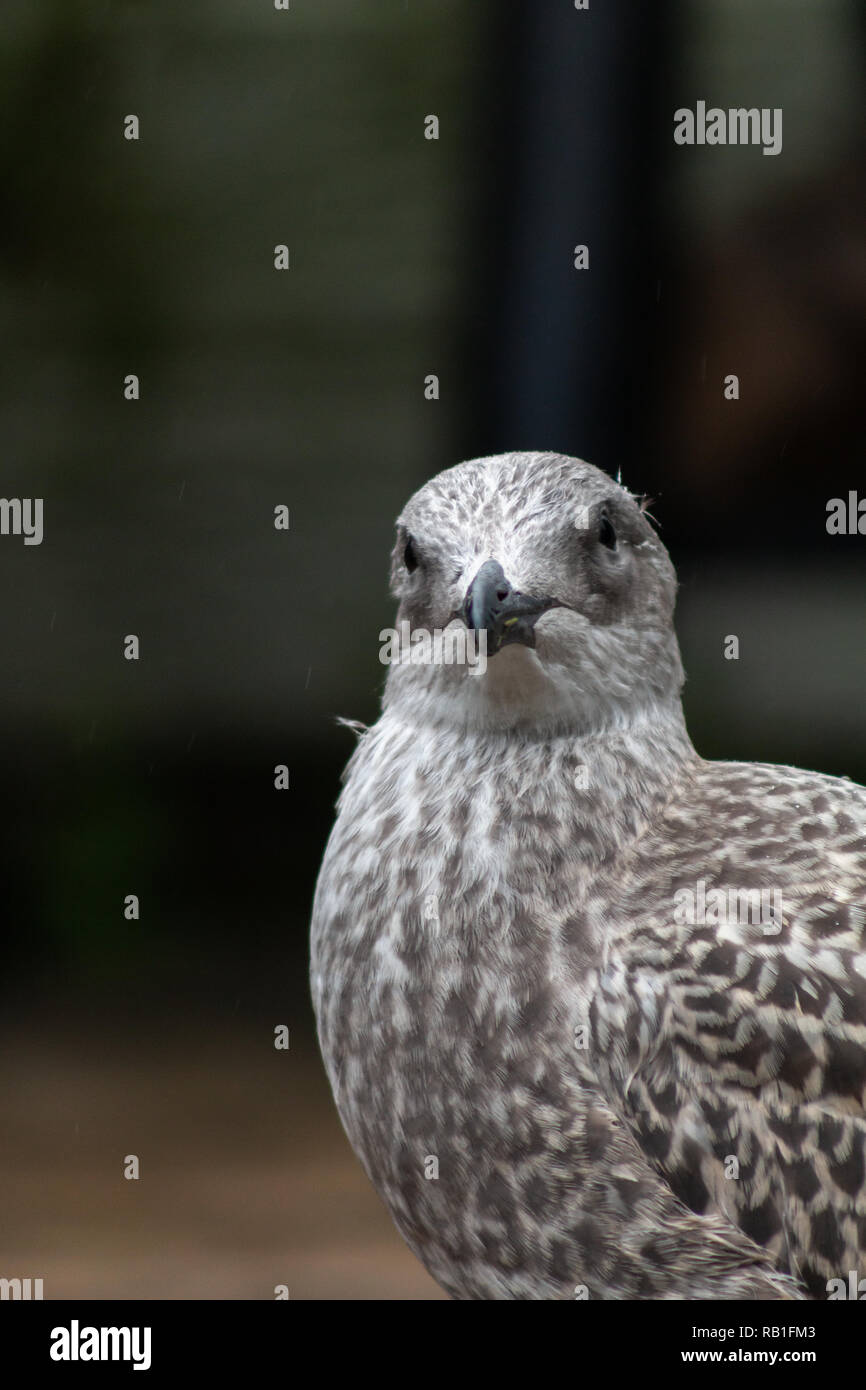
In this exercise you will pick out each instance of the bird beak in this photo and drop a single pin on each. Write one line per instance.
(491, 605)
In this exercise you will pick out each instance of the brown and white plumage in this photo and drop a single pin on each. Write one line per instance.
(620, 1102)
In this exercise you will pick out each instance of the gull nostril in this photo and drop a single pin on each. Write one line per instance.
(502, 594)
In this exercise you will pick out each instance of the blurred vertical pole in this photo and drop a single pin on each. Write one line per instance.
(563, 357)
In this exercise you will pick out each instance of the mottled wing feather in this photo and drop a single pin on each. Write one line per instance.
(738, 1049)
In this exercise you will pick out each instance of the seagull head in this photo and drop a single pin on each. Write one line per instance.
(554, 574)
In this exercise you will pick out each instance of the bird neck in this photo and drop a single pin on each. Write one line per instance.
(600, 788)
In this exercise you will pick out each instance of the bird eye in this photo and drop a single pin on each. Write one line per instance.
(410, 557)
(606, 533)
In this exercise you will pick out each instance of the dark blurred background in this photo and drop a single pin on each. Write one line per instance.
(306, 387)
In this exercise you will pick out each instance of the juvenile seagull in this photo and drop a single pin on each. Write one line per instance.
(593, 1009)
